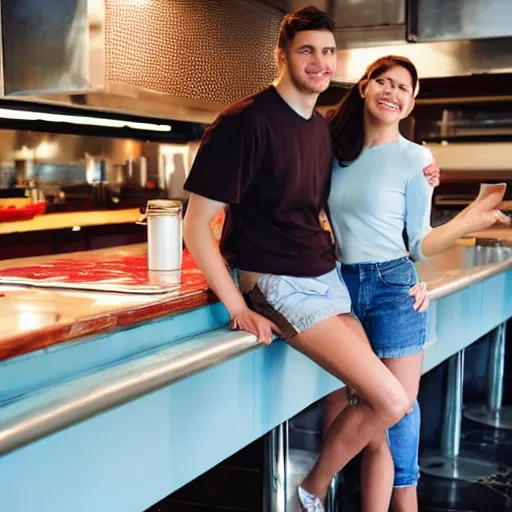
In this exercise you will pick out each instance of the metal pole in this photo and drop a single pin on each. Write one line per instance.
(496, 369)
(276, 457)
(331, 502)
(449, 463)
(494, 413)
(450, 441)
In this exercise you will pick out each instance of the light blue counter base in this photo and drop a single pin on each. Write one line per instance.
(134, 455)
(458, 320)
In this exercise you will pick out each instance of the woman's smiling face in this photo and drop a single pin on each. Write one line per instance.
(389, 97)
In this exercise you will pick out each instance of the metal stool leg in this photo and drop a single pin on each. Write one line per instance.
(449, 463)
(276, 463)
(331, 502)
(494, 414)
(280, 487)
(450, 438)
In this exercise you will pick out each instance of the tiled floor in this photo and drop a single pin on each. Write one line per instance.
(489, 494)
(493, 494)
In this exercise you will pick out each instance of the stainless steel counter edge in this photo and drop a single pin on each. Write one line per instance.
(65, 405)
(62, 406)
(465, 281)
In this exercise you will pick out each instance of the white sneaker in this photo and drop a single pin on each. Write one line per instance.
(309, 502)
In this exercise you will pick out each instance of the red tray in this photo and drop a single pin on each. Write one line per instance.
(12, 213)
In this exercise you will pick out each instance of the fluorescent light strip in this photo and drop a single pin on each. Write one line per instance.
(81, 120)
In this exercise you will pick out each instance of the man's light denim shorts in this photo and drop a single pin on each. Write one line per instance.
(295, 304)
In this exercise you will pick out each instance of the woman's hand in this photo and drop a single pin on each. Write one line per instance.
(250, 321)
(421, 300)
(482, 213)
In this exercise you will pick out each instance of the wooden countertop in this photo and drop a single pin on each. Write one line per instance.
(504, 233)
(49, 221)
(439, 201)
(33, 318)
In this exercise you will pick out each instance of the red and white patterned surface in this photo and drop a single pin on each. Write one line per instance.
(127, 274)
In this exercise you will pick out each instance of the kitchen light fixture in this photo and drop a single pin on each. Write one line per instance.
(27, 115)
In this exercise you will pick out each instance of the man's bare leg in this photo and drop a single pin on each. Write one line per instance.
(376, 471)
(339, 345)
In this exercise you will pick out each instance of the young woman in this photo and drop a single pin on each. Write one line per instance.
(381, 186)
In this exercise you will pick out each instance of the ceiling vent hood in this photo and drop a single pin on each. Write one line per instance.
(180, 59)
(361, 23)
(443, 38)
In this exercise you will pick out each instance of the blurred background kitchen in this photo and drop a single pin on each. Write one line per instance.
(104, 103)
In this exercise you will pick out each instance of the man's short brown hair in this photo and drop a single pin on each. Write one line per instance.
(309, 18)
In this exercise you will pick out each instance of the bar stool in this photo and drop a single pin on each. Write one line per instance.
(493, 413)
(332, 499)
(275, 492)
(449, 463)
(285, 469)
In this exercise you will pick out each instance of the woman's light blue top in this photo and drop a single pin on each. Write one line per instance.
(372, 199)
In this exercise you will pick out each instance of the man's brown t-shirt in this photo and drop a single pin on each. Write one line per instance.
(272, 167)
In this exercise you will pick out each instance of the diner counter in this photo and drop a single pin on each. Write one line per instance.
(150, 371)
(33, 318)
(36, 317)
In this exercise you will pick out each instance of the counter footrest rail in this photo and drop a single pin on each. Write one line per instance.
(63, 405)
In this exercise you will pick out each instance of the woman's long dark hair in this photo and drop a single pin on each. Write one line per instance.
(346, 122)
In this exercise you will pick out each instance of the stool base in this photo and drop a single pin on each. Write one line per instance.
(480, 414)
(459, 467)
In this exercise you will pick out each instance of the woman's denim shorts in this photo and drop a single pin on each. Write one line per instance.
(381, 301)
(295, 304)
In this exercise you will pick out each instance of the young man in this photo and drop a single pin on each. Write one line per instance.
(267, 161)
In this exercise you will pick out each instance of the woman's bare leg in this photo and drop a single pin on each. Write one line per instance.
(339, 345)
(408, 372)
(377, 475)
(377, 467)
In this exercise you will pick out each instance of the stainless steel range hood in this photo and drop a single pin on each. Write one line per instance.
(131, 99)
(363, 23)
(174, 60)
(55, 51)
(187, 59)
(443, 38)
(436, 59)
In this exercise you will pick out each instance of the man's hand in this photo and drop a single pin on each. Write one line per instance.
(421, 300)
(250, 321)
(433, 174)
